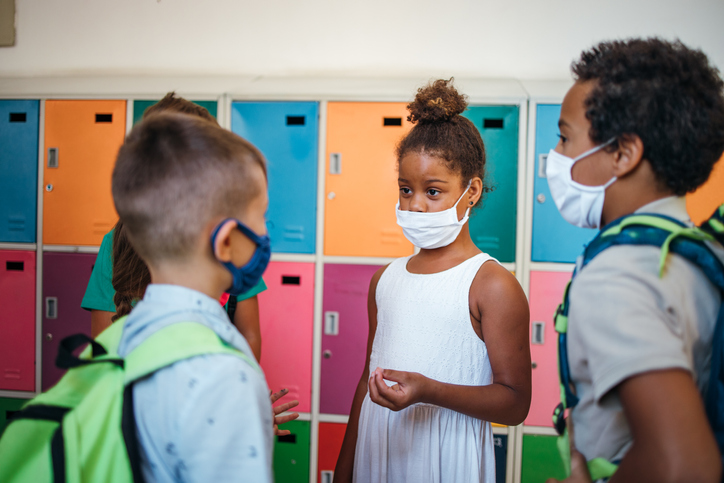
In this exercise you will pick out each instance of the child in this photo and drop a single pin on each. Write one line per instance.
(447, 330)
(192, 197)
(115, 286)
(642, 126)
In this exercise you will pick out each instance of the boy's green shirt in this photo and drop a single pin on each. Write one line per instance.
(99, 293)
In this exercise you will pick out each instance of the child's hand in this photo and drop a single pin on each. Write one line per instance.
(579, 465)
(408, 390)
(280, 409)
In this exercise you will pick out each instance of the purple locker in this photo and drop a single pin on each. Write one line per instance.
(344, 339)
(17, 320)
(65, 278)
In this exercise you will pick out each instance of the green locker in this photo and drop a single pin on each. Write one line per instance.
(139, 107)
(291, 454)
(7, 408)
(541, 459)
(492, 225)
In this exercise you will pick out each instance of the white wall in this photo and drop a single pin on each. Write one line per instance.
(524, 39)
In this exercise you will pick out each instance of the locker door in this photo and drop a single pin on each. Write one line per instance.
(541, 459)
(554, 239)
(287, 134)
(702, 203)
(291, 454)
(492, 225)
(8, 407)
(330, 443)
(139, 107)
(286, 316)
(18, 170)
(345, 330)
(65, 278)
(546, 292)
(81, 143)
(500, 443)
(17, 320)
(361, 179)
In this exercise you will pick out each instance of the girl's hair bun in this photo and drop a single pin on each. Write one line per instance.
(438, 101)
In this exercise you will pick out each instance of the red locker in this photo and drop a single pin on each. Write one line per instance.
(331, 436)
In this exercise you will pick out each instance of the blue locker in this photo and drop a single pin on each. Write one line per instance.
(18, 170)
(287, 134)
(554, 239)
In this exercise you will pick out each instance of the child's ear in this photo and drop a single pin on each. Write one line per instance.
(475, 191)
(222, 243)
(629, 155)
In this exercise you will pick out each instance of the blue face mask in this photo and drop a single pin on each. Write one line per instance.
(246, 277)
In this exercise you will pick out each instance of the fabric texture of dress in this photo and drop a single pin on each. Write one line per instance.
(423, 325)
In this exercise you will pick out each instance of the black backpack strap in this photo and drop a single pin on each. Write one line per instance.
(128, 427)
(231, 307)
(66, 359)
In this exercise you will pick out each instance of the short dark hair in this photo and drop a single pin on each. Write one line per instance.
(174, 174)
(172, 103)
(441, 131)
(665, 93)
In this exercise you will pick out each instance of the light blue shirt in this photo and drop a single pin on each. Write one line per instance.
(207, 418)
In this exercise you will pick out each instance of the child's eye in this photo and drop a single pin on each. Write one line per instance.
(405, 191)
(562, 138)
(433, 192)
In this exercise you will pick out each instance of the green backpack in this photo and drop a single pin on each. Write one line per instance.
(83, 428)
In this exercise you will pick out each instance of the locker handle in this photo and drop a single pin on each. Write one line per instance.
(14, 266)
(327, 476)
(296, 120)
(331, 323)
(287, 438)
(104, 118)
(392, 121)
(492, 123)
(538, 336)
(542, 162)
(52, 157)
(18, 117)
(291, 280)
(51, 307)
(335, 163)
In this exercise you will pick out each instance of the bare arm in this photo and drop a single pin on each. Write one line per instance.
(345, 462)
(502, 308)
(100, 321)
(246, 320)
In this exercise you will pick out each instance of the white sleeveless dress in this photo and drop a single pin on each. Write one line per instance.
(423, 325)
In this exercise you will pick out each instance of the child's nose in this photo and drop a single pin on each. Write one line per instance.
(417, 203)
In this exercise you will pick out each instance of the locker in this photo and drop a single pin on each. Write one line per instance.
(17, 320)
(546, 292)
(554, 239)
(81, 143)
(500, 444)
(344, 334)
(331, 436)
(65, 277)
(287, 134)
(291, 454)
(18, 170)
(286, 316)
(139, 107)
(541, 459)
(8, 407)
(702, 203)
(361, 179)
(493, 223)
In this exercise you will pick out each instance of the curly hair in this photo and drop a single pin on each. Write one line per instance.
(665, 93)
(441, 131)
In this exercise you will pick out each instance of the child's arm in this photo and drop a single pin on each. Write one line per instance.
(246, 320)
(100, 321)
(497, 300)
(345, 463)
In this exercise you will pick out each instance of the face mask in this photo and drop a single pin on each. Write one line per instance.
(432, 230)
(579, 204)
(246, 277)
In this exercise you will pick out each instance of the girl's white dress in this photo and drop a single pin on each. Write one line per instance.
(423, 325)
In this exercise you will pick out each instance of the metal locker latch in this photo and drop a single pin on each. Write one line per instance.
(49, 336)
(542, 162)
(335, 163)
(52, 157)
(541, 198)
(331, 323)
(327, 476)
(48, 187)
(327, 354)
(539, 329)
(51, 307)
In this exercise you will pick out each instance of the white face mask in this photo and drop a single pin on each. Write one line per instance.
(579, 204)
(432, 230)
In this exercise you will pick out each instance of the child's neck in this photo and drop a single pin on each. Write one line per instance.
(196, 276)
(443, 258)
(628, 194)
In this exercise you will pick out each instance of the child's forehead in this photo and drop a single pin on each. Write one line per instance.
(425, 166)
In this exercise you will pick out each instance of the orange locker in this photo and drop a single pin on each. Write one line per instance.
(81, 143)
(702, 203)
(361, 179)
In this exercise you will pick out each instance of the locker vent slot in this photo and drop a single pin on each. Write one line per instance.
(493, 123)
(542, 161)
(393, 121)
(15, 266)
(18, 117)
(52, 157)
(327, 476)
(295, 120)
(291, 280)
(51, 307)
(104, 118)
(539, 329)
(335, 163)
(287, 438)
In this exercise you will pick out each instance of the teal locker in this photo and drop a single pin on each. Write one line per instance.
(139, 107)
(291, 453)
(493, 224)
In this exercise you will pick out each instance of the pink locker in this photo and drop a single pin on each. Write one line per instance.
(344, 339)
(286, 315)
(17, 320)
(546, 292)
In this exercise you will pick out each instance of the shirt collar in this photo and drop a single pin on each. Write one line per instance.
(672, 206)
